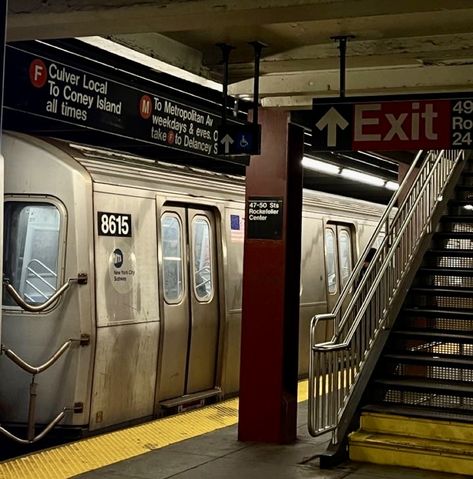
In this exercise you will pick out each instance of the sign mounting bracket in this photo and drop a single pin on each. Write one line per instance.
(240, 140)
(226, 49)
(258, 47)
(342, 46)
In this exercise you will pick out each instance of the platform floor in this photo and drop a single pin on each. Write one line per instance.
(218, 455)
(200, 444)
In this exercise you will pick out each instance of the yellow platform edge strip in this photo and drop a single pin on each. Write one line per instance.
(93, 453)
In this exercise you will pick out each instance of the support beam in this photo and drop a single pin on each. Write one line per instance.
(271, 272)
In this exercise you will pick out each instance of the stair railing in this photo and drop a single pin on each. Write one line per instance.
(335, 367)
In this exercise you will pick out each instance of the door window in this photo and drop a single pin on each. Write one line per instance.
(344, 256)
(338, 256)
(31, 254)
(171, 234)
(330, 264)
(202, 260)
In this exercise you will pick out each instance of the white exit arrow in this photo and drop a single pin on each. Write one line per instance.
(331, 120)
(227, 140)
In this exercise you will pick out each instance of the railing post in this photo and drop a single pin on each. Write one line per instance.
(32, 410)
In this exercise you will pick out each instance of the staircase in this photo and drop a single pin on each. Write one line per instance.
(419, 410)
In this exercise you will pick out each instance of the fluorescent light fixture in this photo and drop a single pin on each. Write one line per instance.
(391, 185)
(468, 207)
(354, 175)
(321, 166)
(362, 177)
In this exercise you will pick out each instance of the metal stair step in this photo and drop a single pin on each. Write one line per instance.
(432, 291)
(443, 313)
(460, 207)
(457, 218)
(440, 360)
(455, 202)
(453, 235)
(444, 387)
(418, 411)
(447, 271)
(462, 253)
(465, 178)
(435, 334)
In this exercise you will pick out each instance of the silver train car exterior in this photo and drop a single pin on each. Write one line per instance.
(153, 320)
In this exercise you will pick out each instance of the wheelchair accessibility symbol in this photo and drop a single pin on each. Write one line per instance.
(245, 141)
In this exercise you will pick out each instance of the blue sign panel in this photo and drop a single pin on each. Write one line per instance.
(239, 140)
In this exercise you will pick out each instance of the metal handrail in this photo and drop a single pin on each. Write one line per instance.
(43, 433)
(383, 224)
(336, 366)
(81, 279)
(84, 340)
(37, 369)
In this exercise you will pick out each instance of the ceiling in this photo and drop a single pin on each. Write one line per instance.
(402, 46)
(398, 46)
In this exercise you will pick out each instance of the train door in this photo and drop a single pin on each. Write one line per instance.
(191, 303)
(338, 259)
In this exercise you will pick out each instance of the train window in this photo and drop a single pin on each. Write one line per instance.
(330, 257)
(202, 261)
(173, 264)
(31, 250)
(344, 256)
(379, 240)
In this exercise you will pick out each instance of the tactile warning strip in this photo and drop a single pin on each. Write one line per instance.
(89, 454)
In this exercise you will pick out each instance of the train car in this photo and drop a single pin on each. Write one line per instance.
(124, 281)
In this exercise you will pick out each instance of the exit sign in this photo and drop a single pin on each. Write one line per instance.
(404, 122)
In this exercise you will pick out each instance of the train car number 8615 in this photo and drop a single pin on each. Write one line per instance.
(114, 224)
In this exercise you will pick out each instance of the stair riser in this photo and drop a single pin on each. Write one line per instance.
(454, 243)
(449, 262)
(450, 302)
(430, 372)
(448, 324)
(446, 281)
(406, 457)
(416, 427)
(464, 195)
(466, 180)
(460, 210)
(440, 400)
(453, 227)
(434, 345)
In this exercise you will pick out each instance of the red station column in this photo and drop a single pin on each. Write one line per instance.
(271, 271)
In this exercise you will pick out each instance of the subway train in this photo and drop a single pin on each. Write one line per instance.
(123, 284)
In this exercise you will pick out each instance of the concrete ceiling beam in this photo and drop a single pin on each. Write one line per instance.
(165, 49)
(298, 90)
(436, 50)
(29, 19)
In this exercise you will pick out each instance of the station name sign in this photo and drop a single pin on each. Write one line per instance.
(404, 122)
(47, 88)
